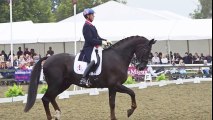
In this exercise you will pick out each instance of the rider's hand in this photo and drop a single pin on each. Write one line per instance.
(104, 43)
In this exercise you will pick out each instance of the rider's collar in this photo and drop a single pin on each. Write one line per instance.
(88, 22)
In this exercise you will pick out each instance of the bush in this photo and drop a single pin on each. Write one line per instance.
(14, 91)
(130, 80)
(43, 89)
(161, 77)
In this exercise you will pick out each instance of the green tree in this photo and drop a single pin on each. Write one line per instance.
(203, 11)
(23, 10)
(4, 11)
(65, 8)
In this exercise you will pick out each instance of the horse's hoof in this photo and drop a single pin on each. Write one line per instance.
(129, 112)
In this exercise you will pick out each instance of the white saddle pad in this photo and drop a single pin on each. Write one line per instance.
(80, 66)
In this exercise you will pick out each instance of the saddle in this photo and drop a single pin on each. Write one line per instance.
(80, 66)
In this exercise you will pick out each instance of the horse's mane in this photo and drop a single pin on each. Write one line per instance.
(125, 40)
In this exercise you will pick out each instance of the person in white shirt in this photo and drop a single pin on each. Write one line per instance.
(155, 59)
(164, 59)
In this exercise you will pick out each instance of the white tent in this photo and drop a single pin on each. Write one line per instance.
(23, 32)
(114, 11)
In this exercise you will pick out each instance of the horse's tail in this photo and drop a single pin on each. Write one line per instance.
(33, 86)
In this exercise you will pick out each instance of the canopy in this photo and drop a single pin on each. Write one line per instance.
(114, 11)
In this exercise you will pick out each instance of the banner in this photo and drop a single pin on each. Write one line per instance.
(134, 72)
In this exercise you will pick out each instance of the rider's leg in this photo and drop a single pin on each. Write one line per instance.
(84, 80)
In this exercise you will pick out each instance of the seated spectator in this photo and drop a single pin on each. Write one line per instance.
(206, 70)
(27, 51)
(209, 58)
(196, 59)
(182, 68)
(28, 58)
(164, 59)
(155, 59)
(5, 55)
(187, 59)
(15, 61)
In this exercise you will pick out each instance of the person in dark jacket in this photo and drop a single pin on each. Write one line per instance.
(92, 39)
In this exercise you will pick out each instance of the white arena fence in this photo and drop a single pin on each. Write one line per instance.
(95, 91)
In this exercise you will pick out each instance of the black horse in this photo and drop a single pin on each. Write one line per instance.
(59, 74)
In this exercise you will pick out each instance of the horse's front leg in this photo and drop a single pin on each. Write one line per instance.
(112, 95)
(124, 89)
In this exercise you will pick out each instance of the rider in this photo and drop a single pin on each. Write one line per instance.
(92, 39)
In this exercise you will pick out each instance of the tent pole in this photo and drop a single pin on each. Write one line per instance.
(44, 50)
(169, 49)
(188, 46)
(64, 47)
(209, 47)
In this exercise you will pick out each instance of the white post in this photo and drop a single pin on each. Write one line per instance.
(75, 28)
(11, 31)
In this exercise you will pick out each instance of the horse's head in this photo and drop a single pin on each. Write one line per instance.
(142, 54)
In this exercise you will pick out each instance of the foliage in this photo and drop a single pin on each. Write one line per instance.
(161, 77)
(130, 80)
(65, 7)
(43, 89)
(24, 10)
(203, 11)
(43, 11)
(14, 91)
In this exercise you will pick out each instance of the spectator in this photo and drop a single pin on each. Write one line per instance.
(50, 51)
(164, 60)
(182, 68)
(15, 61)
(209, 58)
(27, 52)
(9, 56)
(20, 52)
(196, 59)
(202, 57)
(206, 70)
(160, 55)
(187, 59)
(32, 51)
(155, 59)
(5, 55)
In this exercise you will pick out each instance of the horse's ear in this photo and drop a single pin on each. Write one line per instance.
(153, 41)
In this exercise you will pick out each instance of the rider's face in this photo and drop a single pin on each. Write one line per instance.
(91, 17)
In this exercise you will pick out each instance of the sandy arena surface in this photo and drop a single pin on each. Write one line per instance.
(173, 102)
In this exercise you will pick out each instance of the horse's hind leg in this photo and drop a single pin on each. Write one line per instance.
(46, 102)
(123, 89)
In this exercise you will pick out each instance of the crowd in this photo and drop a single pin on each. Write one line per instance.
(22, 59)
(188, 58)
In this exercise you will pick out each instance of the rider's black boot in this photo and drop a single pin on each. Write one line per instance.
(84, 80)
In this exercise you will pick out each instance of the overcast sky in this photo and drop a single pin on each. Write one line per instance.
(182, 7)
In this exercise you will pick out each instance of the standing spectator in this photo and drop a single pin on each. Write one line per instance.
(5, 55)
(202, 57)
(155, 59)
(50, 51)
(32, 51)
(20, 52)
(186, 58)
(27, 52)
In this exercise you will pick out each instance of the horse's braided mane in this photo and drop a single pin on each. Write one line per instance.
(125, 40)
